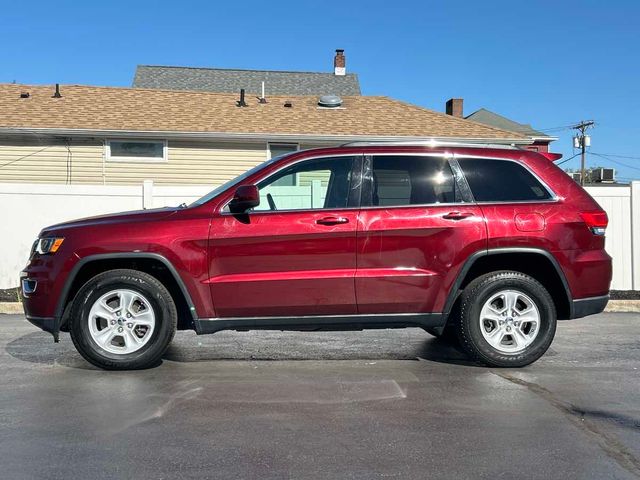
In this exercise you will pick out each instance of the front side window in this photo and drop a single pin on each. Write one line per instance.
(312, 184)
(412, 180)
(136, 151)
(494, 180)
(279, 149)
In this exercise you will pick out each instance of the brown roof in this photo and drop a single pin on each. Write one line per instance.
(132, 109)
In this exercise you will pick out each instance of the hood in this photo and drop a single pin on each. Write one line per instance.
(123, 217)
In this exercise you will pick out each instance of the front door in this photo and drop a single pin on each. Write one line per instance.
(294, 254)
(416, 228)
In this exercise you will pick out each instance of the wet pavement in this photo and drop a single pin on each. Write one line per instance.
(362, 405)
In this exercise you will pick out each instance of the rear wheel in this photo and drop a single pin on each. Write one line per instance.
(507, 319)
(123, 319)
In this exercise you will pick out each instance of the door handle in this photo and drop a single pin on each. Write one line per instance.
(332, 220)
(457, 215)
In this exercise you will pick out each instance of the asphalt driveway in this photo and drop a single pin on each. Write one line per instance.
(365, 405)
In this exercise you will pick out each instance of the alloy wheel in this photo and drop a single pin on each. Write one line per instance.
(509, 321)
(121, 321)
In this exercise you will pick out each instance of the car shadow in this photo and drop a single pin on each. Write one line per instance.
(39, 348)
(294, 346)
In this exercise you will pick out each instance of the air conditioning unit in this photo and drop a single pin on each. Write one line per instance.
(575, 175)
(603, 175)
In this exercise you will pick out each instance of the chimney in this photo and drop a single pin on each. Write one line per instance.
(454, 107)
(339, 62)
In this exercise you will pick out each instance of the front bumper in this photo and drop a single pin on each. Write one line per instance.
(37, 300)
(44, 323)
(589, 306)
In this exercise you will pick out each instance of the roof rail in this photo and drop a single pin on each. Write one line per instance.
(430, 143)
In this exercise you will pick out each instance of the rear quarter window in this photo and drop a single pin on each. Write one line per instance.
(493, 180)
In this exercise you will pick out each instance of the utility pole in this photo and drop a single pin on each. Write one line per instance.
(581, 141)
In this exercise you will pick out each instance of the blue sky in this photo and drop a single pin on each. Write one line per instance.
(548, 63)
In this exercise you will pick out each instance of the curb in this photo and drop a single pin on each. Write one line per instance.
(612, 306)
(11, 307)
(623, 306)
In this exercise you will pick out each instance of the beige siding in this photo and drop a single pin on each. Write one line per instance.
(195, 163)
(208, 163)
(45, 160)
(38, 160)
(307, 146)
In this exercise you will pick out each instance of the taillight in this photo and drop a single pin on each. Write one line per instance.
(597, 221)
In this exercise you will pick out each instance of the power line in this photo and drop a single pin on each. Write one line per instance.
(562, 127)
(26, 156)
(606, 157)
(618, 156)
(567, 159)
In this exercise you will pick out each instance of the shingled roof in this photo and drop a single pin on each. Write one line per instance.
(110, 109)
(492, 119)
(230, 81)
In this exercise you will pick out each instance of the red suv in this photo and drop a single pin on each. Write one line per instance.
(484, 245)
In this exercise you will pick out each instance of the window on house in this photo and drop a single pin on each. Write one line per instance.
(493, 180)
(136, 150)
(412, 180)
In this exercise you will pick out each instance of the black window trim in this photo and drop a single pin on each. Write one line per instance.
(367, 178)
(356, 191)
(553, 197)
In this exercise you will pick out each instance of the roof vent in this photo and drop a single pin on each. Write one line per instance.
(288, 103)
(330, 101)
(24, 95)
(241, 102)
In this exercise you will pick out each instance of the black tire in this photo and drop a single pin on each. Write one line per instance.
(160, 300)
(474, 297)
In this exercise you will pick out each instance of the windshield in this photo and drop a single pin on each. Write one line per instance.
(234, 181)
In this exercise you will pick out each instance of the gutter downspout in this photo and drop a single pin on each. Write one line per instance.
(104, 161)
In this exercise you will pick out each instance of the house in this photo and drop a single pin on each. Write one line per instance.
(540, 141)
(78, 134)
(222, 80)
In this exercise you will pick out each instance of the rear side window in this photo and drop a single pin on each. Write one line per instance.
(412, 180)
(494, 180)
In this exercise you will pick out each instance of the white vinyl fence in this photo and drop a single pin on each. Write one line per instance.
(622, 204)
(26, 208)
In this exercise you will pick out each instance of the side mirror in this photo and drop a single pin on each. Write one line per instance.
(244, 198)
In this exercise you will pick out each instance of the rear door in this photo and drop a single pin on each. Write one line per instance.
(521, 211)
(294, 254)
(417, 226)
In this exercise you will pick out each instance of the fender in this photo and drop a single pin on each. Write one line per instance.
(59, 312)
(455, 289)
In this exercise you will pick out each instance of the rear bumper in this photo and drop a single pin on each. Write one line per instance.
(589, 306)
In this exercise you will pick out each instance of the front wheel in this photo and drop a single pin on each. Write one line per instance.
(507, 319)
(122, 320)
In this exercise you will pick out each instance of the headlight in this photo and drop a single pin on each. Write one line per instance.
(47, 245)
